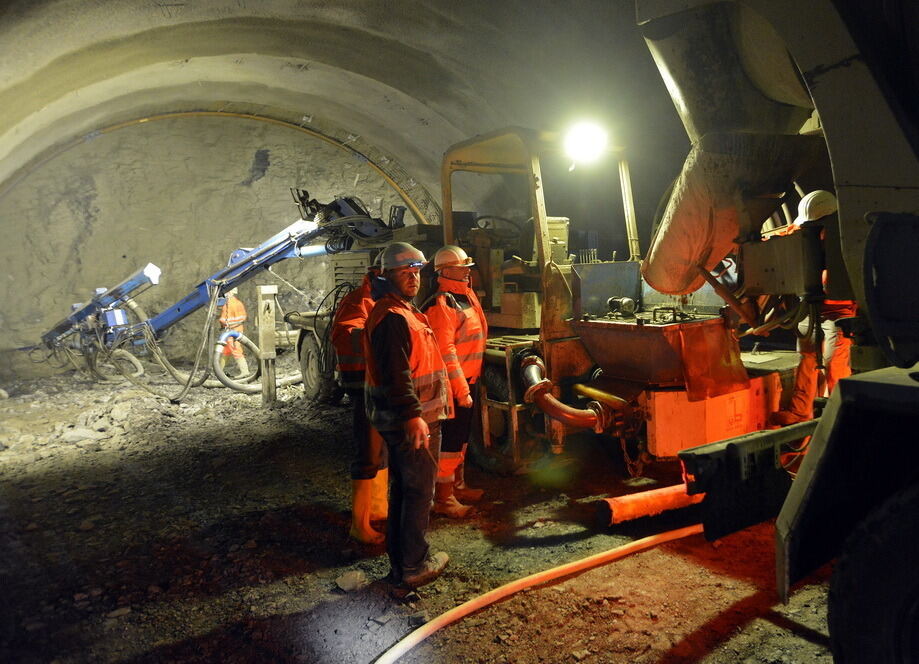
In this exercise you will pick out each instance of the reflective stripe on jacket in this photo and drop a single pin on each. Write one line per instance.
(427, 394)
(233, 313)
(459, 324)
(347, 334)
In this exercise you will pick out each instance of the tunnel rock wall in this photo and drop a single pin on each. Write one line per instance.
(181, 193)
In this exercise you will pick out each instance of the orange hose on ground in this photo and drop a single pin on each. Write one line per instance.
(476, 603)
(648, 503)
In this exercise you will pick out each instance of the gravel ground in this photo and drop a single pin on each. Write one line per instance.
(215, 530)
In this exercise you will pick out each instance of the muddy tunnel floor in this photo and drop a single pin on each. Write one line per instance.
(215, 530)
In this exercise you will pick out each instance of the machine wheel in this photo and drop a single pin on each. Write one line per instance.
(310, 367)
(874, 594)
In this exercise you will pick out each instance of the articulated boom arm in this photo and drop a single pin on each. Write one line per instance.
(340, 220)
(284, 245)
(148, 275)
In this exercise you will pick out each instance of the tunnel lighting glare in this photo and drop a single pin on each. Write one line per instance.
(585, 142)
(312, 250)
(153, 273)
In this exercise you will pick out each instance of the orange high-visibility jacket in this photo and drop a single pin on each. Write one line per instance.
(233, 313)
(461, 330)
(347, 332)
(428, 374)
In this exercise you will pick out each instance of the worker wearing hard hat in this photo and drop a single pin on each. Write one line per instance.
(369, 475)
(461, 330)
(232, 317)
(835, 349)
(407, 396)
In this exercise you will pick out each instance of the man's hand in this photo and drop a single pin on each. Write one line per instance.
(465, 402)
(417, 432)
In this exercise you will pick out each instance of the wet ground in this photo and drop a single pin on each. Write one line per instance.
(215, 530)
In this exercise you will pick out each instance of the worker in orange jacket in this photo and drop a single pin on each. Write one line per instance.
(232, 317)
(835, 348)
(407, 397)
(459, 324)
(369, 475)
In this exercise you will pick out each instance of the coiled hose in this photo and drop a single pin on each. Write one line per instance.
(247, 388)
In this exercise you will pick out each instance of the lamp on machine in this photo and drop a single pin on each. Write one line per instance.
(586, 142)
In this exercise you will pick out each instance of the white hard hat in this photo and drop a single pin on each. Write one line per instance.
(233, 291)
(451, 256)
(401, 254)
(815, 205)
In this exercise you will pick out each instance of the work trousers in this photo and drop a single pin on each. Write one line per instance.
(369, 449)
(456, 432)
(411, 494)
(836, 352)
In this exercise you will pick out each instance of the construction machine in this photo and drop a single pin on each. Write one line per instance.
(778, 99)
(100, 333)
(781, 98)
(580, 343)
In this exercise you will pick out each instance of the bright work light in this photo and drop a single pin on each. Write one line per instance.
(585, 142)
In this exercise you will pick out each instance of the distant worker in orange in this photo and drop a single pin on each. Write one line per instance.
(232, 317)
(835, 349)
(459, 324)
(369, 474)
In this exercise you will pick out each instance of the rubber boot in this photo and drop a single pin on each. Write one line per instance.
(242, 366)
(461, 491)
(446, 504)
(379, 504)
(361, 498)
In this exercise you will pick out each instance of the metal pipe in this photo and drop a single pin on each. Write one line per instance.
(611, 400)
(495, 356)
(644, 503)
(728, 297)
(573, 417)
(596, 416)
(628, 205)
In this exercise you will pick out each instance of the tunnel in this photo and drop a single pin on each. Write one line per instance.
(172, 132)
(145, 519)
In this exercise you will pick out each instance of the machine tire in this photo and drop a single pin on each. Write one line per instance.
(310, 367)
(873, 606)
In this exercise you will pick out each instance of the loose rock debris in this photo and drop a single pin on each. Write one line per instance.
(137, 530)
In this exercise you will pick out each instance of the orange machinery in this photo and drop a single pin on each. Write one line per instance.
(582, 343)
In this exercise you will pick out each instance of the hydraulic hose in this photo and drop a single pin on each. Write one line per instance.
(597, 416)
(117, 355)
(489, 598)
(247, 388)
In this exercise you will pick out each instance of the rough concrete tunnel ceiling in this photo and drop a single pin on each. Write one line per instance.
(403, 79)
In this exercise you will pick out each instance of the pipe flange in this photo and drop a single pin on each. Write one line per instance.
(545, 385)
(605, 416)
(530, 360)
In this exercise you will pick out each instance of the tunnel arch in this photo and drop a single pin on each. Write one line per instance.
(393, 84)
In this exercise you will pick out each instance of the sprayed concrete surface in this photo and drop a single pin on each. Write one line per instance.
(180, 193)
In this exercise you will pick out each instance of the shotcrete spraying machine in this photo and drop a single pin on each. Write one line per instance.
(779, 99)
(102, 334)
